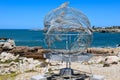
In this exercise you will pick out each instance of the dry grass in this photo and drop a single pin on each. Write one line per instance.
(8, 76)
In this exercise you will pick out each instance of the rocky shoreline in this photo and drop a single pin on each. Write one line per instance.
(37, 52)
(104, 51)
(19, 60)
(99, 54)
(22, 59)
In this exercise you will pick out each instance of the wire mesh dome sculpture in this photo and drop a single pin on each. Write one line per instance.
(67, 29)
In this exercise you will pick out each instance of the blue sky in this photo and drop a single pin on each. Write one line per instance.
(27, 14)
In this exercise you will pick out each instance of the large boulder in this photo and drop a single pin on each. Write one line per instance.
(110, 60)
(4, 56)
(9, 44)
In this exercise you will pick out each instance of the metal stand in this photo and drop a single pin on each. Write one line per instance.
(68, 73)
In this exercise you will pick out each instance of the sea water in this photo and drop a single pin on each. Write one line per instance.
(26, 37)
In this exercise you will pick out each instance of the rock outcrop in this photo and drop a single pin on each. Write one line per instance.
(110, 60)
(104, 51)
(105, 56)
(4, 56)
(105, 60)
(21, 65)
(9, 44)
(30, 52)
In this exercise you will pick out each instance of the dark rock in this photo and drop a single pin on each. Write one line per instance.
(115, 63)
(103, 51)
(106, 65)
(30, 52)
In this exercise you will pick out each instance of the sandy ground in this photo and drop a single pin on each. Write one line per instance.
(110, 73)
(26, 76)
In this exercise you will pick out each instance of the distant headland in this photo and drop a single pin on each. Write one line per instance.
(106, 29)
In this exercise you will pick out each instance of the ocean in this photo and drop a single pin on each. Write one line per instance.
(25, 37)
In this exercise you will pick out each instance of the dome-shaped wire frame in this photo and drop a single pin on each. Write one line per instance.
(67, 28)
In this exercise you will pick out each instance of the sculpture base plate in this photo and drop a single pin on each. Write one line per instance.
(68, 74)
